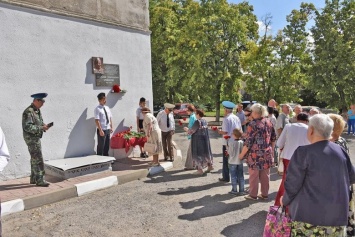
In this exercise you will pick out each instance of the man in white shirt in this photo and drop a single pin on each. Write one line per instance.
(230, 122)
(4, 159)
(166, 123)
(103, 120)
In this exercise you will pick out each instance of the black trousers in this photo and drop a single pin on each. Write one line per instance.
(103, 142)
(225, 170)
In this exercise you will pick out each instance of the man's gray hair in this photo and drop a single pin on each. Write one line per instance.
(228, 110)
(260, 109)
(322, 124)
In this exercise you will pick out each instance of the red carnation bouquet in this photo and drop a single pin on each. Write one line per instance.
(117, 89)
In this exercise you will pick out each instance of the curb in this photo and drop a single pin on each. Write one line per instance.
(81, 189)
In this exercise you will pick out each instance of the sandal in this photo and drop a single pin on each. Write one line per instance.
(262, 197)
(209, 169)
(248, 197)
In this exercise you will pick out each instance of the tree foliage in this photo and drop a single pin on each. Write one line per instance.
(200, 58)
(208, 51)
(333, 70)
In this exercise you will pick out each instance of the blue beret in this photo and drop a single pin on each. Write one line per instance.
(228, 104)
(39, 95)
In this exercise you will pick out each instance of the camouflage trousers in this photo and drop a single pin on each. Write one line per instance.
(37, 164)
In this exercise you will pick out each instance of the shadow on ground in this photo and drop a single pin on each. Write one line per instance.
(215, 206)
(256, 220)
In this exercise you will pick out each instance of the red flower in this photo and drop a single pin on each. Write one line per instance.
(226, 137)
(116, 88)
(184, 119)
(214, 128)
(180, 123)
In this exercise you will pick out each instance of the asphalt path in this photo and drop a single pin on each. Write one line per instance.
(173, 203)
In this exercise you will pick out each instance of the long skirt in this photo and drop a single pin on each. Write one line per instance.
(189, 164)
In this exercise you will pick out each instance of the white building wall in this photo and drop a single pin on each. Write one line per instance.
(41, 52)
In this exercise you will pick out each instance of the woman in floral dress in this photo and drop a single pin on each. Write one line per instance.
(258, 149)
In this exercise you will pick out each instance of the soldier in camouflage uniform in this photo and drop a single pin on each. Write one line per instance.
(33, 128)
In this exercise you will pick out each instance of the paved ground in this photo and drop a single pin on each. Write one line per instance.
(174, 203)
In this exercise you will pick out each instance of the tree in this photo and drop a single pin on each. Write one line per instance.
(334, 53)
(221, 32)
(277, 67)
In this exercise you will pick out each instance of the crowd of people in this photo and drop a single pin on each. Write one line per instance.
(316, 187)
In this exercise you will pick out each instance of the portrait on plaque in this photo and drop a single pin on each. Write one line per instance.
(98, 65)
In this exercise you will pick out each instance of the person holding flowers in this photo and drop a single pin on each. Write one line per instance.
(258, 150)
(189, 163)
(153, 133)
(200, 144)
(230, 122)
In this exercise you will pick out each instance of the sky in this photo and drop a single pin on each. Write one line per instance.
(278, 9)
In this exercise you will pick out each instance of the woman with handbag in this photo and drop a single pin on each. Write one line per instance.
(153, 133)
(200, 144)
(317, 183)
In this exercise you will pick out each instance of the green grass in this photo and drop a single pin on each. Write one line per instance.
(212, 114)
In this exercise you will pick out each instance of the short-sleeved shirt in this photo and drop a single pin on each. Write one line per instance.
(99, 114)
(260, 136)
(351, 116)
(241, 116)
(230, 122)
(235, 147)
(162, 121)
(139, 113)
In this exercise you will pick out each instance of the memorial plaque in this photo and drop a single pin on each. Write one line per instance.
(110, 77)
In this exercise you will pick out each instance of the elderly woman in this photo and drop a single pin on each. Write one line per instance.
(317, 183)
(153, 133)
(258, 149)
(189, 163)
(293, 136)
(339, 125)
(200, 143)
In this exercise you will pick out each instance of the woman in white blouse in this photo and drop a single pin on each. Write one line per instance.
(292, 136)
(153, 133)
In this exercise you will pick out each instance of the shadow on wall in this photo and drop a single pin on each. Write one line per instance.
(90, 77)
(82, 137)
